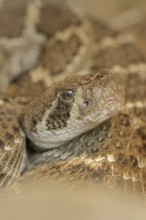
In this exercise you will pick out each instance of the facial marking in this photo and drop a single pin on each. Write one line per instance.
(78, 105)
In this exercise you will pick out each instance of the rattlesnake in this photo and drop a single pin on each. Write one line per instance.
(69, 55)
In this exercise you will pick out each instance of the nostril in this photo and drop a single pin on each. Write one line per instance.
(86, 103)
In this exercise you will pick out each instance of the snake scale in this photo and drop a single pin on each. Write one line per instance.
(59, 103)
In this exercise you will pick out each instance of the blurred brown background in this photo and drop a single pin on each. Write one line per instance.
(106, 9)
(125, 15)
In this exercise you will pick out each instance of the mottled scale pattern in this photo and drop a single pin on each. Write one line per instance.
(101, 29)
(115, 55)
(64, 56)
(139, 30)
(11, 142)
(11, 14)
(114, 153)
(127, 62)
(51, 13)
(55, 61)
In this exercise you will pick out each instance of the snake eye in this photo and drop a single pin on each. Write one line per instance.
(67, 95)
(86, 104)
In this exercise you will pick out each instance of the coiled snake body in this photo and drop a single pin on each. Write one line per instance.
(65, 101)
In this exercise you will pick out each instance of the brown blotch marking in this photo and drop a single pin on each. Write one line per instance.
(126, 122)
(57, 57)
(2, 175)
(59, 116)
(121, 159)
(101, 29)
(54, 19)
(141, 133)
(133, 161)
(132, 81)
(111, 56)
(1, 144)
(26, 88)
(123, 120)
(8, 136)
(12, 18)
(16, 127)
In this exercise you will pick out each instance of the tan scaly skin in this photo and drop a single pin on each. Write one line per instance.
(113, 153)
(59, 115)
(71, 108)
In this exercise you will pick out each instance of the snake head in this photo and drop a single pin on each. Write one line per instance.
(72, 107)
